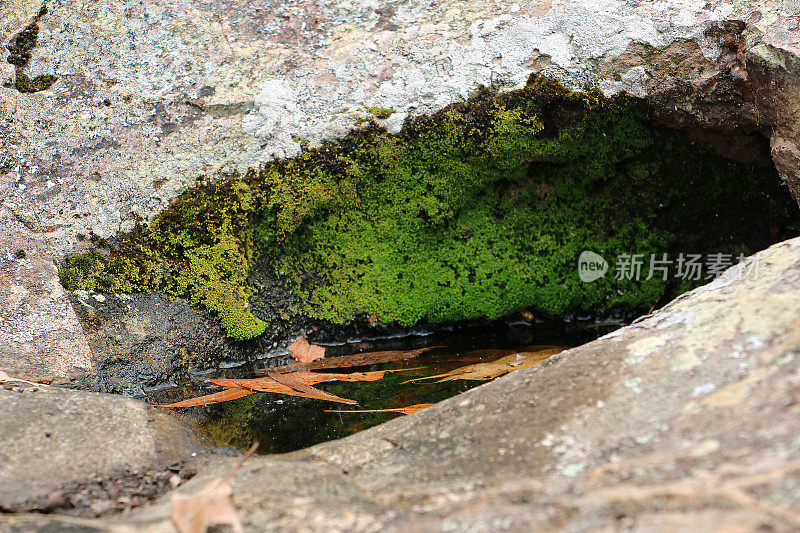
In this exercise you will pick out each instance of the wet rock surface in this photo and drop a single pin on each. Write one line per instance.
(141, 341)
(659, 424)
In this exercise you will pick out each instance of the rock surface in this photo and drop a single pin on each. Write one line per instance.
(51, 436)
(39, 331)
(685, 419)
(142, 341)
(661, 425)
(150, 96)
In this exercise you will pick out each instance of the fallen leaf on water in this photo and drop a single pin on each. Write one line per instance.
(410, 410)
(304, 376)
(291, 384)
(213, 505)
(298, 385)
(494, 369)
(349, 361)
(217, 397)
(305, 352)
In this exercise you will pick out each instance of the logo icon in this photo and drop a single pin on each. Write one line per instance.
(591, 266)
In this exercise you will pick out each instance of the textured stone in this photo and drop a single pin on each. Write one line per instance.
(155, 95)
(142, 341)
(51, 436)
(39, 332)
(685, 420)
(15, 15)
(151, 96)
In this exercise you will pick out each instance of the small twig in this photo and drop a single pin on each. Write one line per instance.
(4, 378)
(249, 453)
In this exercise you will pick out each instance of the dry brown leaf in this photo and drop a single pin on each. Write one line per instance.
(291, 384)
(299, 386)
(409, 410)
(213, 505)
(349, 361)
(494, 369)
(313, 378)
(265, 384)
(217, 397)
(308, 378)
(305, 352)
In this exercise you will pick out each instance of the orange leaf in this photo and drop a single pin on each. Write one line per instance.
(410, 410)
(312, 378)
(268, 384)
(347, 361)
(308, 378)
(291, 381)
(494, 369)
(258, 384)
(222, 396)
(305, 352)
(291, 384)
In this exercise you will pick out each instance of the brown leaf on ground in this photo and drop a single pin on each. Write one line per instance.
(213, 505)
(349, 361)
(305, 352)
(409, 410)
(494, 369)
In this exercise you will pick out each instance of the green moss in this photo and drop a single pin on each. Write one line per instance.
(215, 279)
(476, 211)
(381, 112)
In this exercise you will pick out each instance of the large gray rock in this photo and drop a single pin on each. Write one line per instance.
(685, 420)
(149, 97)
(51, 436)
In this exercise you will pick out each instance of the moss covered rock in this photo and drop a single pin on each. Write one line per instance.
(476, 211)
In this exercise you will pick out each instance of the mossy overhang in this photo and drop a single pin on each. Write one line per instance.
(476, 211)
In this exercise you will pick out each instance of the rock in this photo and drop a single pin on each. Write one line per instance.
(39, 332)
(155, 96)
(51, 436)
(144, 340)
(15, 15)
(7, 74)
(685, 419)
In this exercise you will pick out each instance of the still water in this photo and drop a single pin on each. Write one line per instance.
(285, 423)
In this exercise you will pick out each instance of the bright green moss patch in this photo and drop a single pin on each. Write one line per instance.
(381, 112)
(476, 211)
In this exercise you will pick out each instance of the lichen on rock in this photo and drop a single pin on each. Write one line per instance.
(476, 211)
(20, 54)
